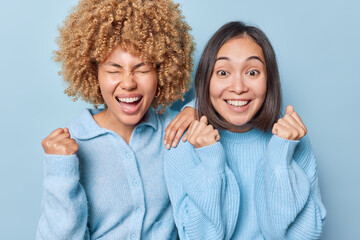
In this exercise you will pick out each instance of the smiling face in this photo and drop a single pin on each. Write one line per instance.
(238, 81)
(128, 85)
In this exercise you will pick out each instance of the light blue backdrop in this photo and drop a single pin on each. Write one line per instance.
(317, 45)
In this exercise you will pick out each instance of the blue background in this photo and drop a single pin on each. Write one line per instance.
(317, 46)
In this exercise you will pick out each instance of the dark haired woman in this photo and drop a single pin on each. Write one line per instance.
(276, 193)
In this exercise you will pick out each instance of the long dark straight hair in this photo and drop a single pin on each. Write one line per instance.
(271, 108)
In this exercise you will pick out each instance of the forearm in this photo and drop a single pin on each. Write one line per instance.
(287, 194)
(204, 194)
(64, 205)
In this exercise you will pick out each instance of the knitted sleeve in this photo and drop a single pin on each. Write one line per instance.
(288, 201)
(64, 205)
(203, 191)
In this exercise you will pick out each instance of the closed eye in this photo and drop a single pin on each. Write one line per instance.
(142, 71)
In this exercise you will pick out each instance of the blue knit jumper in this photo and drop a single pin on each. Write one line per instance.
(249, 186)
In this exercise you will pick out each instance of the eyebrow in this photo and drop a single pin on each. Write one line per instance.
(255, 57)
(119, 66)
(248, 59)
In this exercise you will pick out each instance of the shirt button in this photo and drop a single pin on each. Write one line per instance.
(128, 155)
(136, 182)
(138, 210)
(139, 130)
(133, 236)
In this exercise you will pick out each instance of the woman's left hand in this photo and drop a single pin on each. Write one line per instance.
(177, 127)
(202, 134)
(290, 126)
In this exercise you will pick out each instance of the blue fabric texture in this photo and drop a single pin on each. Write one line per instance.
(251, 185)
(108, 189)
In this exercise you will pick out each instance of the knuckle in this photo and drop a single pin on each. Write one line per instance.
(287, 134)
(296, 134)
(183, 127)
(210, 127)
(305, 130)
(302, 132)
(171, 128)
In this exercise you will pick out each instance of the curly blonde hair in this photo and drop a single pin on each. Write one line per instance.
(150, 29)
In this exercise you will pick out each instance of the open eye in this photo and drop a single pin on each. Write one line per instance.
(222, 73)
(253, 73)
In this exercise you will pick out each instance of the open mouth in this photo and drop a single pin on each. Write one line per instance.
(131, 100)
(238, 103)
(130, 105)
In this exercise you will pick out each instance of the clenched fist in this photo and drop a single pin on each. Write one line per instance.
(60, 143)
(201, 134)
(290, 126)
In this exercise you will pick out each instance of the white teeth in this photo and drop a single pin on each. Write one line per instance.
(237, 103)
(128, 100)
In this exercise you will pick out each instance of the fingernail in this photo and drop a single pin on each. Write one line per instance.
(168, 146)
(164, 142)
(174, 144)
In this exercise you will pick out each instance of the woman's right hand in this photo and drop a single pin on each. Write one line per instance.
(60, 143)
(201, 134)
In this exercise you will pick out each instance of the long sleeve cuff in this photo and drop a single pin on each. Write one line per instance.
(212, 158)
(280, 151)
(61, 165)
(185, 163)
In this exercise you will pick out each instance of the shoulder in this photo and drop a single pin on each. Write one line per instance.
(84, 126)
(167, 116)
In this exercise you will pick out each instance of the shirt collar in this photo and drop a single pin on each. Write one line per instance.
(85, 127)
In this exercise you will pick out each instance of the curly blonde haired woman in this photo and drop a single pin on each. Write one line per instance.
(103, 173)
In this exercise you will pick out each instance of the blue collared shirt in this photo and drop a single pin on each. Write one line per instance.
(109, 189)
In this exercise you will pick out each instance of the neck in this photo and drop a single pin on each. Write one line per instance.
(241, 128)
(107, 120)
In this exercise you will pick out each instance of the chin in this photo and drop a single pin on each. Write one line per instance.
(131, 120)
(237, 122)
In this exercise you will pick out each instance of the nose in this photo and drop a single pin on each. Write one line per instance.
(239, 84)
(128, 82)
